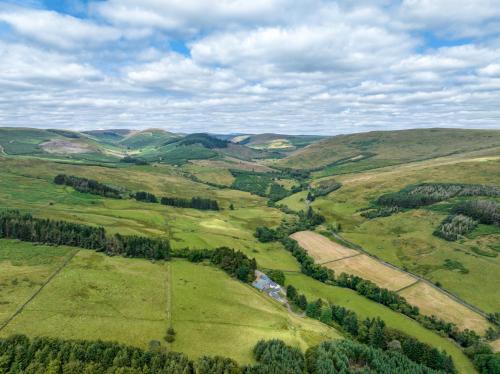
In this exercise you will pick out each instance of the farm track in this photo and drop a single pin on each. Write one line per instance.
(37, 292)
(420, 279)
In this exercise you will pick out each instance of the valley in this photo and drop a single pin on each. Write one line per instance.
(264, 181)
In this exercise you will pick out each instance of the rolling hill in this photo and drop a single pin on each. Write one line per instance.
(276, 142)
(355, 152)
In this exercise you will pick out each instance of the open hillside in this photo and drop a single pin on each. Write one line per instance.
(276, 142)
(356, 152)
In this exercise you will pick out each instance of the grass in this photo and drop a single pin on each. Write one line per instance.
(388, 148)
(134, 301)
(214, 314)
(366, 308)
(99, 297)
(23, 268)
(432, 302)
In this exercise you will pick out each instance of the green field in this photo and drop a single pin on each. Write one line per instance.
(134, 301)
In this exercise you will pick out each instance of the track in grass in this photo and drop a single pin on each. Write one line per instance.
(37, 292)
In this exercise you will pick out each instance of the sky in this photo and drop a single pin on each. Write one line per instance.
(250, 66)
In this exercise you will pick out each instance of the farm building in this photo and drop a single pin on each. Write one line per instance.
(265, 284)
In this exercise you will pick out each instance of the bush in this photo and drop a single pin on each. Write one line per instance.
(455, 226)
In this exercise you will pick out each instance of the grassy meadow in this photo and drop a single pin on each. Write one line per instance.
(134, 301)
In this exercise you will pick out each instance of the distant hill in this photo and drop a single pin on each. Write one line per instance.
(276, 142)
(111, 136)
(51, 143)
(148, 138)
(362, 151)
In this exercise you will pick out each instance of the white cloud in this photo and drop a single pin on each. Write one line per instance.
(313, 66)
(56, 29)
(30, 65)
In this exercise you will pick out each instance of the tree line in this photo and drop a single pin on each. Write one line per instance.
(323, 188)
(96, 188)
(194, 203)
(88, 185)
(19, 354)
(23, 226)
(374, 333)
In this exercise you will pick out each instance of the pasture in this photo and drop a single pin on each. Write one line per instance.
(134, 301)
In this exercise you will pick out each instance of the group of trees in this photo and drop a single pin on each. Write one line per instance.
(144, 196)
(133, 160)
(18, 354)
(455, 226)
(466, 215)
(195, 203)
(235, 263)
(347, 356)
(23, 226)
(485, 211)
(323, 188)
(385, 211)
(88, 185)
(415, 196)
(303, 221)
(300, 300)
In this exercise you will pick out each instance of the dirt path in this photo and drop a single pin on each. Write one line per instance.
(290, 310)
(32, 297)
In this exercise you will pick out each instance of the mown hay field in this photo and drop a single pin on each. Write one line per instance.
(429, 300)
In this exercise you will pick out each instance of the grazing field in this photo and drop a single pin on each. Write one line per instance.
(366, 308)
(429, 300)
(432, 302)
(99, 297)
(134, 301)
(32, 189)
(496, 345)
(214, 314)
(23, 269)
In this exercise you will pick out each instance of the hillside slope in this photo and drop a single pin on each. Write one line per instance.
(355, 152)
